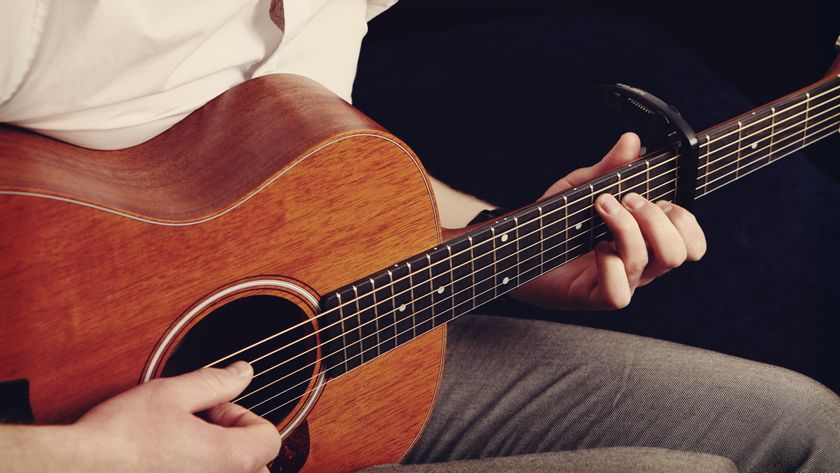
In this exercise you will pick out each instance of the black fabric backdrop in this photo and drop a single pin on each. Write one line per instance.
(497, 98)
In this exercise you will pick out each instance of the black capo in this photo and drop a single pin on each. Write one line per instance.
(664, 124)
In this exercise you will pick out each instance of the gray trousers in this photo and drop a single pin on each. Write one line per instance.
(526, 395)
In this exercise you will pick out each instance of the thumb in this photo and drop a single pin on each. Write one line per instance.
(623, 152)
(205, 388)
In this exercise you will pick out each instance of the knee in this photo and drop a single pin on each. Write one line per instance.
(803, 431)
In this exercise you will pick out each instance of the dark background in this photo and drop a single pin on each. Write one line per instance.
(497, 98)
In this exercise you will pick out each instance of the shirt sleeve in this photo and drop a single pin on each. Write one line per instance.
(21, 24)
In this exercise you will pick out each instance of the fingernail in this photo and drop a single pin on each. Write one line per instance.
(665, 206)
(608, 204)
(240, 368)
(634, 201)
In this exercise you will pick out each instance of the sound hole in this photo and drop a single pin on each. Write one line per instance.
(283, 365)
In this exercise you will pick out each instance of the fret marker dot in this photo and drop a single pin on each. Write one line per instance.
(579, 226)
(505, 237)
(440, 290)
(402, 308)
(505, 280)
(754, 146)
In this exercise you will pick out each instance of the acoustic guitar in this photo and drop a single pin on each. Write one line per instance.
(279, 225)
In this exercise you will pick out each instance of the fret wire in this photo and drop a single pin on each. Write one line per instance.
(566, 226)
(396, 335)
(495, 255)
(358, 317)
(451, 280)
(780, 131)
(343, 333)
(740, 147)
(789, 108)
(772, 133)
(376, 312)
(831, 132)
(262, 341)
(591, 214)
(542, 232)
(472, 267)
(565, 206)
(708, 156)
(807, 109)
(516, 250)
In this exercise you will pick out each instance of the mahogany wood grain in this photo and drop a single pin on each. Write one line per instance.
(88, 293)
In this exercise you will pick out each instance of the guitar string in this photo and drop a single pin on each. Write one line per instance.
(428, 268)
(771, 127)
(376, 346)
(777, 112)
(565, 206)
(451, 297)
(775, 132)
(396, 335)
(410, 329)
(758, 150)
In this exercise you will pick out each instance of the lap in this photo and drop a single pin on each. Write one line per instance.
(514, 387)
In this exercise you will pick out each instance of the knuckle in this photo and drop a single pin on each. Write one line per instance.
(212, 379)
(674, 258)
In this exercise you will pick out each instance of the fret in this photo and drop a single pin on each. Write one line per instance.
(790, 124)
(739, 145)
(647, 178)
(820, 112)
(554, 229)
(383, 296)
(483, 266)
(723, 153)
(703, 163)
(603, 185)
(330, 336)
(441, 280)
(529, 244)
(350, 329)
(663, 177)
(401, 287)
(462, 300)
(579, 219)
(772, 135)
(505, 256)
(807, 110)
(755, 141)
(633, 178)
(421, 294)
(367, 321)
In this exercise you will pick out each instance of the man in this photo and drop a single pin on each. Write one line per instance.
(119, 75)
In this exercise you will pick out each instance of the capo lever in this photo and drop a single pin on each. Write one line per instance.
(664, 125)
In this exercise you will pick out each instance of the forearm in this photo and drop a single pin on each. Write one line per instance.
(456, 208)
(52, 448)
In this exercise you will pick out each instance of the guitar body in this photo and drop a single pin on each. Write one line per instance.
(277, 189)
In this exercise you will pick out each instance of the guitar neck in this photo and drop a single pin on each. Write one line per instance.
(376, 314)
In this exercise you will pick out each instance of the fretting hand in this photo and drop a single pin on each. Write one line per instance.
(650, 239)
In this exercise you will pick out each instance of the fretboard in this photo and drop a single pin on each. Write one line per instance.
(384, 310)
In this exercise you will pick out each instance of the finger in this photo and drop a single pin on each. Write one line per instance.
(686, 224)
(624, 151)
(628, 237)
(666, 243)
(202, 389)
(612, 290)
(247, 433)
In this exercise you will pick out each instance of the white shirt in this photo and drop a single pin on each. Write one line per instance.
(110, 74)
